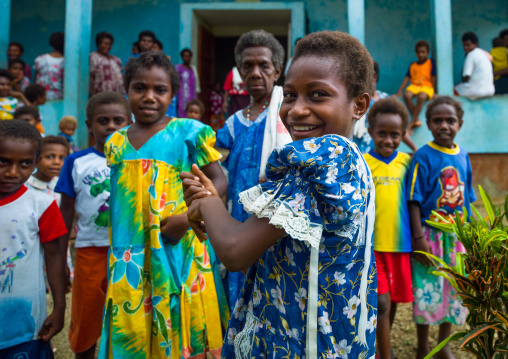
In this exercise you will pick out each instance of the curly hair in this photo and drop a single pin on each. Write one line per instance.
(6, 73)
(447, 100)
(147, 60)
(57, 41)
(146, 33)
(27, 110)
(33, 91)
(12, 62)
(422, 43)
(55, 140)
(260, 38)
(22, 49)
(471, 36)
(354, 65)
(197, 103)
(67, 120)
(106, 98)
(103, 35)
(388, 105)
(21, 130)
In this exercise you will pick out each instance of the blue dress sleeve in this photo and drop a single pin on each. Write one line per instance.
(65, 182)
(224, 136)
(314, 185)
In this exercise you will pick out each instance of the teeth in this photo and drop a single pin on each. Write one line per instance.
(303, 128)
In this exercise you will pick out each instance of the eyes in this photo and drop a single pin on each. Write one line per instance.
(313, 95)
(160, 90)
(449, 120)
(393, 135)
(23, 163)
(103, 121)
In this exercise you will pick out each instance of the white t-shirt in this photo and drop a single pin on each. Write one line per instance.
(27, 219)
(481, 76)
(85, 177)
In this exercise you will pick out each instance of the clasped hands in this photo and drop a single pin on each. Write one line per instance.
(196, 188)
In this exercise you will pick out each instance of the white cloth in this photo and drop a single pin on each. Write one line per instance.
(237, 79)
(275, 133)
(197, 83)
(481, 76)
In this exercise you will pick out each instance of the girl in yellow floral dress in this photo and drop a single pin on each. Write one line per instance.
(163, 299)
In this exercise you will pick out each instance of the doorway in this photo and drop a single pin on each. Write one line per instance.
(211, 30)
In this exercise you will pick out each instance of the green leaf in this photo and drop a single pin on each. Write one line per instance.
(487, 203)
(441, 226)
(475, 332)
(479, 216)
(441, 345)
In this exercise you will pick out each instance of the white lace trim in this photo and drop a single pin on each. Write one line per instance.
(298, 226)
(245, 339)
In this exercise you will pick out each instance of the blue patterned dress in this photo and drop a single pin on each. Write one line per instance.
(321, 192)
(244, 139)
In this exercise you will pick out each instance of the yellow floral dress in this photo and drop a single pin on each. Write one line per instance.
(163, 300)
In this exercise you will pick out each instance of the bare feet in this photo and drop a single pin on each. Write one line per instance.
(413, 124)
(422, 352)
(445, 353)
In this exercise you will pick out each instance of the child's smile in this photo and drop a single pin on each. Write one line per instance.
(444, 125)
(316, 101)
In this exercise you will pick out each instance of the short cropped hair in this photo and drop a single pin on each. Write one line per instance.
(57, 41)
(159, 43)
(103, 35)
(146, 33)
(388, 105)
(376, 70)
(503, 33)
(185, 50)
(21, 130)
(68, 120)
(55, 140)
(422, 43)
(147, 60)
(355, 66)
(12, 62)
(497, 42)
(20, 47)
(27, 110)
(471, 36)
(33, 91)
(440, 100)
(260, 38)
(106, 98)
(195, 102)
(6, 73)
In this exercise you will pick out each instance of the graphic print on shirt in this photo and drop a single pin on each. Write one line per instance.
(99, 183)
(7, 266)
(452, 194)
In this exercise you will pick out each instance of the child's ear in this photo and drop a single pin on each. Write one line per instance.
(361, 105)
(277, 73)
(89, 126)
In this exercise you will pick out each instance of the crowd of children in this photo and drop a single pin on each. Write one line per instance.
(327, 251)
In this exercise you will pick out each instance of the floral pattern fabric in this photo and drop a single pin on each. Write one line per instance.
(50, 74)
(318, 190)
(435, 300)
(106, 72)
(163, 300)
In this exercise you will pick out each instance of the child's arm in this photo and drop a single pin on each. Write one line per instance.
(54, 259)
(238, 245)
(420, 243)
(403, 86)
(409, 142)
(21, 96)
(67, 207)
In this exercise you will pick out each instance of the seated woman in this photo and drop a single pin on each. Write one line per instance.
(260, 59)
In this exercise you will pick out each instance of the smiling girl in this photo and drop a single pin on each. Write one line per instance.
(161, 298)
(312, 285)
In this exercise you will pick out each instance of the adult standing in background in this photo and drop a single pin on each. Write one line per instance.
(235, 96)
(105, 69)
(146, 39)
(477, 74)
(15, 51)
(49, 68)
(189, 82)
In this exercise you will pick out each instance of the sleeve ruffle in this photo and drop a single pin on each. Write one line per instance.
(314, 185)
(200, 142)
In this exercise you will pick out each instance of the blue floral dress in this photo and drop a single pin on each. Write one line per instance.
(314, 292)
(244, 139)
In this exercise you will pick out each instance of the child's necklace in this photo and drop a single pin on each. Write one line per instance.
(262, 109)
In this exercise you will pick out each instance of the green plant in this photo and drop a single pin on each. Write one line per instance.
(480, 277)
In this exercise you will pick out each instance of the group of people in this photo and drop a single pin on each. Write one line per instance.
(308, 255)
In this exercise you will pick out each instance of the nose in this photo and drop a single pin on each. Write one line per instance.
(299, 109)
(12, 171)
(256, 72)
(149, 96)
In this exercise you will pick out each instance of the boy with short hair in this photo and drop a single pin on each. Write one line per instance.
(9, 99)
(31, 222)
(84, 185)
(20, 81)
(421, 77)
(388, 120)
(28, 114)
(36, 96)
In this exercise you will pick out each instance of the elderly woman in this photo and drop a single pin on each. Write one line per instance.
(260, 59)
(105, 69)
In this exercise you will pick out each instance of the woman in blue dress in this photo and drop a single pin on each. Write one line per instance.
(311, 287)
(259, 58)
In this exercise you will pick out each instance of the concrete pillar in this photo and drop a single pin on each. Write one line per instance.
(356, 19)
(442, 33)
(5, 28)
(78, 29)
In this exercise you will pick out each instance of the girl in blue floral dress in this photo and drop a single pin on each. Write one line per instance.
(311, 290)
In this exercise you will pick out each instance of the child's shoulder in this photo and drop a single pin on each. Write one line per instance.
(87, 152)
(36, 201)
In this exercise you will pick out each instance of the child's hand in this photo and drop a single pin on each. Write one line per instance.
(196, 220)
(52, 325)
(422, 245)
(68, 284)
(196, 185)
